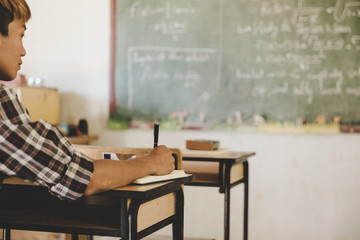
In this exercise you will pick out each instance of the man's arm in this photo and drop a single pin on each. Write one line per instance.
(38, 152)
(109, 174)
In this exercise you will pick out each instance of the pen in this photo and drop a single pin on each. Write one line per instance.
(156, 134)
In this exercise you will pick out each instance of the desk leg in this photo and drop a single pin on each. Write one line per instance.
(6, 234)
(124, 223)
(74, 237)
(227, 214)
(133, 219)
(246, 198)
(178, 225)
(227, 203)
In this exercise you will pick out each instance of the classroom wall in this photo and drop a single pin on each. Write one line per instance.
(302, 186)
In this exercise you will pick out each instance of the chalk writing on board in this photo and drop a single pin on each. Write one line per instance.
(168, 26)
(141, 59)
(345, 8)
(281, 58)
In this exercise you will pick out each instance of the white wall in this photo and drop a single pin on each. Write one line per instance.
(301, 186)
(67, 44)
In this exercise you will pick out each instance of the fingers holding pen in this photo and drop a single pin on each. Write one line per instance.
(162, 150)
(162, 160)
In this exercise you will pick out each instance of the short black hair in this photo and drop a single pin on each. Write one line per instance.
(11, 10)
(6, 18)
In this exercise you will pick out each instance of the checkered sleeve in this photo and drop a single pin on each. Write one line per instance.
(38, 152)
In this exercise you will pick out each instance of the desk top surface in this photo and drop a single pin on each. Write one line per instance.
(129, 191)
(85, 139)
(227, 156)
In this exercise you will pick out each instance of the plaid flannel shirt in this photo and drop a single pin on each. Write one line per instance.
(38, 152)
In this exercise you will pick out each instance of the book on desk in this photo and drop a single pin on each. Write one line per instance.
(161, 178)
(217, 152)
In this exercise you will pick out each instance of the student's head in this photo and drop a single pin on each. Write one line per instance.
(13, 16)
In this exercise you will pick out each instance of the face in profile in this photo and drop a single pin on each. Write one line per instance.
(12, 50)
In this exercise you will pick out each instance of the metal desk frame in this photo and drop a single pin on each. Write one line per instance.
(226, 162)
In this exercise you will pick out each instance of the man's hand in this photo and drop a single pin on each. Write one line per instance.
(162, 160)
(110, 174)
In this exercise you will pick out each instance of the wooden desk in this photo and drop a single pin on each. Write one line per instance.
(130, 212)
(224, 171)
(86, 139)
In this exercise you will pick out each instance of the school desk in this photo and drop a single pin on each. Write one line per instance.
(224, 171)
(84, 140)
(130, 212)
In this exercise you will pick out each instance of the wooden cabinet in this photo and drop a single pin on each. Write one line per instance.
(42, 103)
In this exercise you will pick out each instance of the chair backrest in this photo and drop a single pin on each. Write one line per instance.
(96, 152)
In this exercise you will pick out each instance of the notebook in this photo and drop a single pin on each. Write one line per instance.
(161, 178)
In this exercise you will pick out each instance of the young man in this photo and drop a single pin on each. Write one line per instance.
(37, 151)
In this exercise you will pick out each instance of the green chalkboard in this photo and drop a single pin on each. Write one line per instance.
(282, 59)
